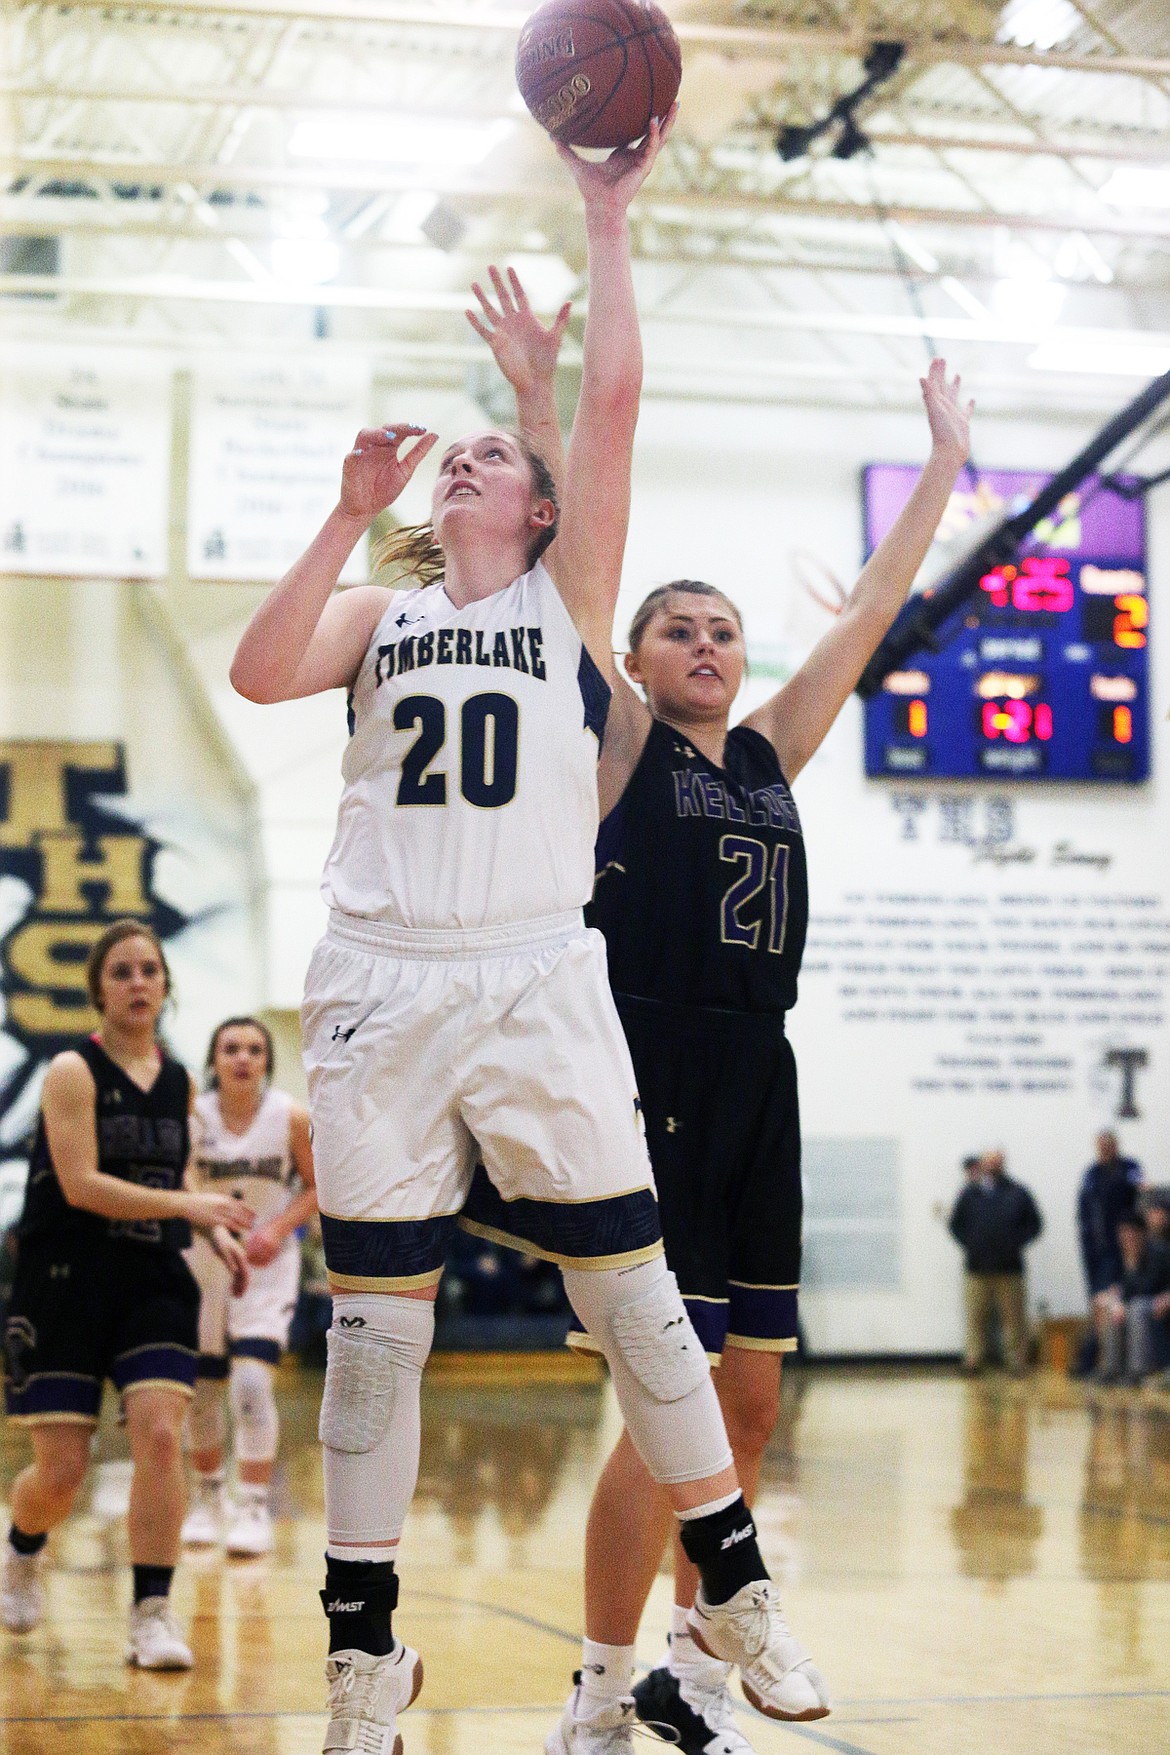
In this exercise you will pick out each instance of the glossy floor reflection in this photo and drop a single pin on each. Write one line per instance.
(978, 1567)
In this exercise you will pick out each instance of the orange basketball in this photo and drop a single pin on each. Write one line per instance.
(596, 72)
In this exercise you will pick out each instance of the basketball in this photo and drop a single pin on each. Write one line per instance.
(596, 72)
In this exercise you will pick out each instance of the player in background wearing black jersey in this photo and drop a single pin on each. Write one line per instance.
(702, 897)
(101, 1288)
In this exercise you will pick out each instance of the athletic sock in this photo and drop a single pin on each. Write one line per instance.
(152, 1581)
(252, 1492)
(27, 1545)
(606, 1673)
(723, 1545)
(683, 1652)
(359, 1598)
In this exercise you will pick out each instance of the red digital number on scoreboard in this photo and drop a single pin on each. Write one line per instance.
(1017, 721)
(1039, 582)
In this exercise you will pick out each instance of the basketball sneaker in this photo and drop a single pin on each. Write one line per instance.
(203, 1524)
(22, 1595)
(366, 1694)
(155, 1641)
(250, 1530)
(777, 1673)
(588, 1727)
(694, 1711)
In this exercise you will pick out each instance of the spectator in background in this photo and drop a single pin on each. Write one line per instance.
(1109, 1192)
(993, 1221)
(1135, 1339)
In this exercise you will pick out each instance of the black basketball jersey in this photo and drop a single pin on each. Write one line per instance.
(701, 888)
(142, 1137)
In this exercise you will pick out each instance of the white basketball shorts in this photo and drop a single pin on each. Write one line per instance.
(253, 1326)
(476, 1077)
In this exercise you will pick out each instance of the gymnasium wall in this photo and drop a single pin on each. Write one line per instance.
(905, 1064)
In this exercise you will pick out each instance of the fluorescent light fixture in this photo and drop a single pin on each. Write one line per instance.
(1099, 354)
(398, 139)
(1033, 304)
(305, 261)
(965, 300)
(918, 253)
(1137, 186)
(1039, 24)
(1076, 255)
(548, 280)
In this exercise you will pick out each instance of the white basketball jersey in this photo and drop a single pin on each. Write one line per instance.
(258, 1164)
(470, 795)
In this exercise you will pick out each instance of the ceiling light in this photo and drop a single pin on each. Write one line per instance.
(1118, 359)
(1078, 256)
(965, 300)
(918, 253)
(305, 261)
(1030, 304)
(1039, 24)
(397, 140)
(1137, 186)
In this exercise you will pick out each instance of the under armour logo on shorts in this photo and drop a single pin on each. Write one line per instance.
(343, 1034)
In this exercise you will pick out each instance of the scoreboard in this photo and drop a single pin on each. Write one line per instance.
(1042, 675)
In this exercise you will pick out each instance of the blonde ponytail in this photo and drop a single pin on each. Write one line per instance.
(411, 552)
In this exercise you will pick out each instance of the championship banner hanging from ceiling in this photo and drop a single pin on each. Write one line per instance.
(267, 444)
(85, 446)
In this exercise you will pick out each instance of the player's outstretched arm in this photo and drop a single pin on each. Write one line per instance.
(526, 353)
(302, 639)
(595, 510)
(797, 719)
(265, 1243)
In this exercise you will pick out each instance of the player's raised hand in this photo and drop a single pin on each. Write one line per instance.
(949, 416)
(609, 185)
(525, 351)
(377, 469)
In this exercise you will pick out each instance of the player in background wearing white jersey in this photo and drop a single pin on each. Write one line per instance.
(465, 1058)
(255, 1141)
(703, 999)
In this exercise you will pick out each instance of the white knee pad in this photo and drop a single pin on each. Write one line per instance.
(205, 1421)
(378, 1345)
(659, 1369)
(254, 1416)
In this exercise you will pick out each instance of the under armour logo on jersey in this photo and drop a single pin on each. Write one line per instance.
(112, 1097)
(406, 621)
(344, 1035)
(672, 1125)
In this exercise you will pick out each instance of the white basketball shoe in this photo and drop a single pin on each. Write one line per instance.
(250, 1531)
(777, 1673)
(366, 1694)
(22, 1595)
(203, 1524)
(593, 1727)
(155, 1641)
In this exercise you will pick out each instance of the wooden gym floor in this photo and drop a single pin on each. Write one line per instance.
(978, 1568)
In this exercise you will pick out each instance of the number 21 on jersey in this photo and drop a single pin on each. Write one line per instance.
(755, 871)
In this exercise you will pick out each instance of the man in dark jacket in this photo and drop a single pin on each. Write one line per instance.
(994, 1220)
(1109, 1192)
(1136, 1334)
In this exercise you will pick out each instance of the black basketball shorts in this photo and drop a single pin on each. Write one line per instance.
(81, 1312)
(719, 1097)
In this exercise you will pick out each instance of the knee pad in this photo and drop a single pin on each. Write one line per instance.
(254, 1416)
(660, 1371)
(377, 1346)
(205, 1421)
